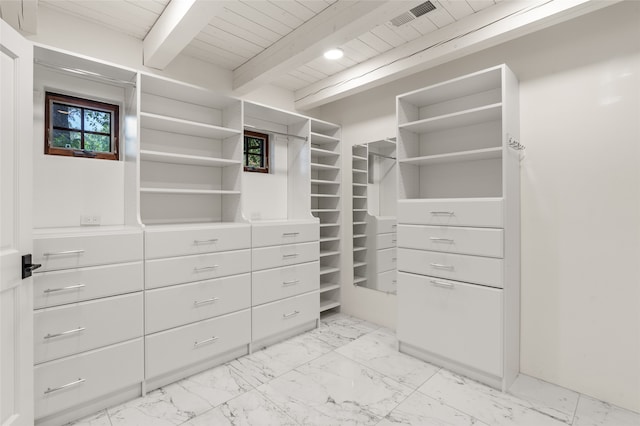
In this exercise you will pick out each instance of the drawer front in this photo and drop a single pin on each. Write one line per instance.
(263, 235)
(290, 254)
(472, 269)
(187, 303)
(276, 317)
(454, 320)
(80, 284)
(66, 252)
(179, 347)
(386, 260)
(280, 283)
(88, 376)
(71, 329)
(161, 243)
(384, 225)
(473, 241)
(179, 270)
(387, 281)
(384, 241)
(479, 213)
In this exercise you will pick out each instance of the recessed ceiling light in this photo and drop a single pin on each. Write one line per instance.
(334, 53)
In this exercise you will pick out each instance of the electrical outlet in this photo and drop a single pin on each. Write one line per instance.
(89, 220)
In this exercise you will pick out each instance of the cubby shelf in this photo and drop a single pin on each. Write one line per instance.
(329, 253)
(358, 279)
(476, 154)
(325, 305)
(318, 152)
(187, 191)
(324, 196)
(184, 127)
(318, 166)
(319, 138)
(328, 270)
(192, 160)
(457, 119)
(324, 182)
(328, 287)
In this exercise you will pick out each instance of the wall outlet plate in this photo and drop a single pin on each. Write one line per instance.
(90, 220)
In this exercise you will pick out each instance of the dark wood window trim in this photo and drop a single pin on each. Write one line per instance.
(264, 152)
(50, 98)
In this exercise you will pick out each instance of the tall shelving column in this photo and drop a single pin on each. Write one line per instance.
(359, 163)
(326, 205)
(459, 230)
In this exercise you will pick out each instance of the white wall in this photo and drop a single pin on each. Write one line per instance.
(580, 121)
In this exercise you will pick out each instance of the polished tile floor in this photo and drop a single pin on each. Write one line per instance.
(348, 372)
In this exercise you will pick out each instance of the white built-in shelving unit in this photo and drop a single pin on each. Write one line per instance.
(458, 215)
(359, 169)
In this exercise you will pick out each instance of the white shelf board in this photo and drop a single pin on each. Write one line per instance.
(329, 253)
(359, 210)
(328, 239)
(357, 157)
(359, 171)
(324, 182)
(325, 305)
(476, 154)
(324, 196)
(318, 152)
(356, 197)
(359, 236)
(329, 225)
(328, 270)
(193, 160)
(319, 138)
(187, 191)
(356, 249)
(328, 287)
(467, 117)
(359, 264)
(184, 127)
(324, 210)
(359, 184)
(318, 166)
(357, 279)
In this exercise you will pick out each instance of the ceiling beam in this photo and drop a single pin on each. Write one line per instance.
(180, 22)
(505, 21)
(339, 23)
(20, 14)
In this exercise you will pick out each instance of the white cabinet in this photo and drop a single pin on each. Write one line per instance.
(458, 215)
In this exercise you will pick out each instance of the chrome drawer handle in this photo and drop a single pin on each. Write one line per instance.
(290, 315)
(68, 385)
(202, 342)
(62, 253)
(212, 240)
(204, 302)
(289, 256)
(441, 266)
(292, 282)
(442, 213)
(71, 287)
(290, 234)
(206, 268)
(64, 333)
(441, 240)
(441, 284)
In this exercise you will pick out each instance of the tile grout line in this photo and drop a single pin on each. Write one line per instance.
(575, 410)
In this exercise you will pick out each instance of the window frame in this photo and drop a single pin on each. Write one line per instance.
(265, 153)
(84, 103)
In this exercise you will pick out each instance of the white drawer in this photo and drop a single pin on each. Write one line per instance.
(451, 239)
(188, 240)
(80, 284)
(179, 347)
(279, 283)
(179, 270)
(183, 304)
(384, 241)
(485, 213)
(386, 260)
(471, 269)
(385, 224)
(87, 376)
(289, 254)
(71, 329)
(453, 320)
(276, 317)
(263, 235)
(74, 251)
(387, 281)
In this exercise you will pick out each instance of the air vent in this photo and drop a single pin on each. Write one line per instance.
(414, 13)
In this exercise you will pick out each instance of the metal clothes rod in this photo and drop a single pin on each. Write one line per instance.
(85, 73)
(383, 156)
(304, 138)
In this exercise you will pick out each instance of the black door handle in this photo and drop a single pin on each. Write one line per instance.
(27, 266)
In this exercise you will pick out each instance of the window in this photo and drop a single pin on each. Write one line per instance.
(80, 127)
(256, 152)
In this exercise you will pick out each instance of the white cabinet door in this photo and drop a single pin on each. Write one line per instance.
(16, 299)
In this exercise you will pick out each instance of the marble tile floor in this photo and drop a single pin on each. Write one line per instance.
(348, 372)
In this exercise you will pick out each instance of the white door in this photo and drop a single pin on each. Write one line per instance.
(16, 298)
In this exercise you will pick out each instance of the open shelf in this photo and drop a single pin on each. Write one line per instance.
(358, 280)
(325, 305)
(457, 119)
(185, 127)
(193, 160)
(329, 253)
(324, 196)
(328, 287)
(319, 138)
(324, 182)
(328, 270)
(187, 191)
(318, 152)
(318, 166)
(476, 154)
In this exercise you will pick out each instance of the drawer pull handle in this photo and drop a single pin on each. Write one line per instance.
(71, 287)
(289, 256)
(202, 342)
(62, 253)
(290, 234)
(442, 213)
(290, 315)
(205, 268)
(64, 333)
(292, 282)
(204, 302)
(68, 385)
(441, 240)
(441, 284)
(212, 240)
(441, 266)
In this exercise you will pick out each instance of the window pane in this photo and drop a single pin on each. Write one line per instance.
(66, 139)
(66, 116)
(97, 121)
(255, 160)
(256, 151)
(99, 143)
(255, 143)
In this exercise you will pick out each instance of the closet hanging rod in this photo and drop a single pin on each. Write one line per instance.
(383, 156)
(253, 128)
(85, 73)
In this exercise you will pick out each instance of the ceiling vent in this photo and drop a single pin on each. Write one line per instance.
(414, 13)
